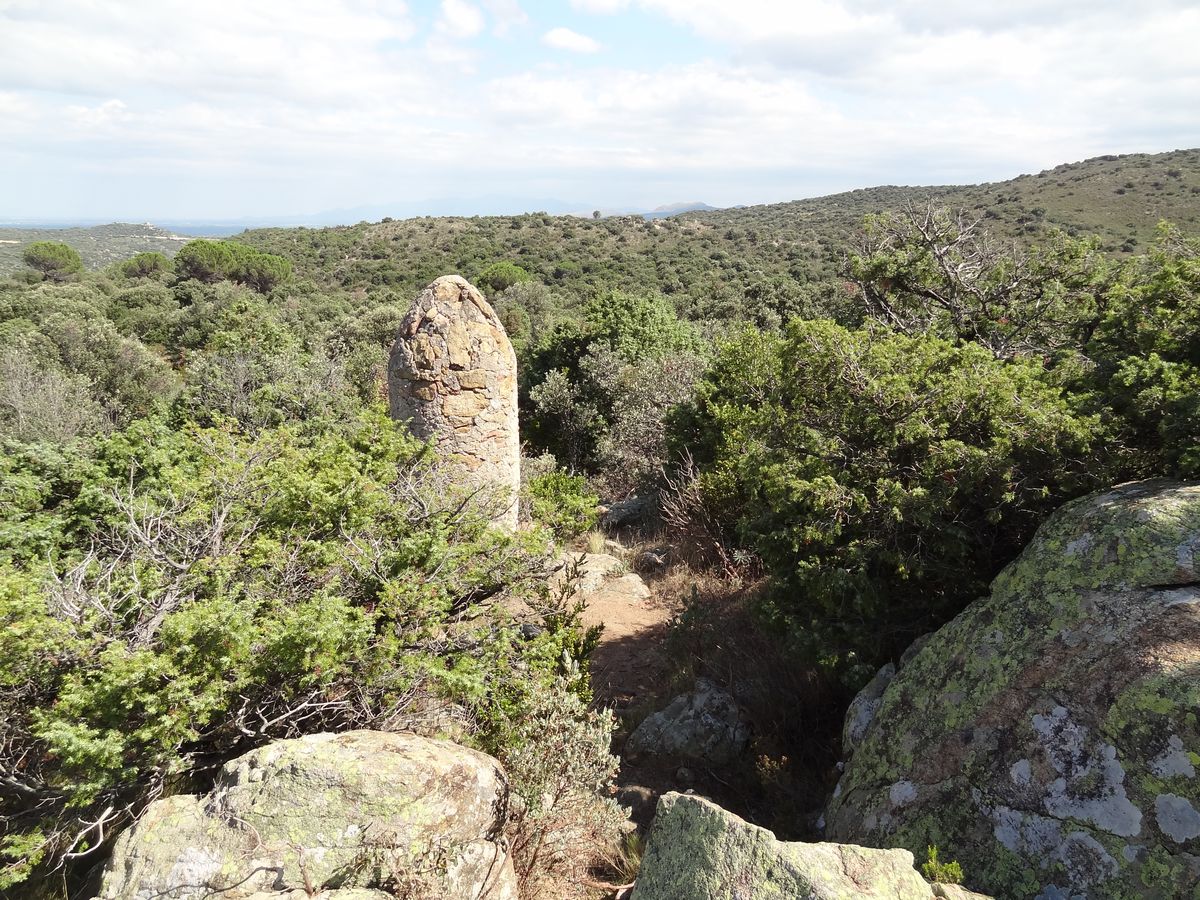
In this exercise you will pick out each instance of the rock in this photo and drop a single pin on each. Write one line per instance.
(592, 569)
(704, 725)
(956, 892)
(1047, 738)
(863, 707)
(452, 374)
(629, 511)
(698, 851)
(355, 810)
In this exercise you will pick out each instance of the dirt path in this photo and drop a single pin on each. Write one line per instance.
(629, 666)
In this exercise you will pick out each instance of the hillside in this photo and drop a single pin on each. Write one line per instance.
(99, 245)
(709, 259)
(1119, 198)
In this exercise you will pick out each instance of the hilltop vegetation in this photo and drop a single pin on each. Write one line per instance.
(211, 536)
(99, 246)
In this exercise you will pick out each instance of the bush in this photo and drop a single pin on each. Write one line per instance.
(561, 768)
(1148, 362)
(146, 265)
(937, 872)
(211, 591)
(500, 276)
(53, 259)
(562, 503)
(882, 479)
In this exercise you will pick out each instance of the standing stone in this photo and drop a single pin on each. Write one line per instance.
(453, 375)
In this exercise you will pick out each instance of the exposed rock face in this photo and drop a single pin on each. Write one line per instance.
(453, 373)
(704, 725)
(1047, 738)
(358, 810)
(698, 851)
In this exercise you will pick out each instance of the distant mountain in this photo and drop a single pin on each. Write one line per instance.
(98, 245)
(675, 209)
(1119, 198)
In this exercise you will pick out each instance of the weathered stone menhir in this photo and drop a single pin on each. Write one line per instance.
(453, 375)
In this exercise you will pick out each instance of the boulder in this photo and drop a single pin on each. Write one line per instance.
(704, 725)
(452, 375)
(359, 810)
(698, 851)
(1048, 738)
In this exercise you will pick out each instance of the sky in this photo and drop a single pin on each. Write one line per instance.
(177, 109)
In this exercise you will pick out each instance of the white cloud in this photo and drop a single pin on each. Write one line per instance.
(358, 99)
(600, 7)
(460, 19)
(566, 39)
(506, 15)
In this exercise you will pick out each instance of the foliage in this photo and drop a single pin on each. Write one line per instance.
(210, 590)
(211, 261)
(563, 503)
(937, 872)
(931, 271)
(500, 276)
(204, 260)
(883, 479)
(561, 768)
(1147, 359)
(146, 265)
(53, 259)
(597, 392)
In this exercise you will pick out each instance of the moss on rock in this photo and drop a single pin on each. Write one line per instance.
(1034, 736)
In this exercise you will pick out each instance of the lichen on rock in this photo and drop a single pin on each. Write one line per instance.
(699, 851)
(452, 375)
(360, 809)
(1047, 737)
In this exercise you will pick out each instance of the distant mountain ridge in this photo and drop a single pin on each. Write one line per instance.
(1121, 199)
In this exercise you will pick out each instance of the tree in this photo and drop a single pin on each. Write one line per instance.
(934, 271)
(55, 260)
(261, 271)
(146, 265)
(204, 260)
(500, 276)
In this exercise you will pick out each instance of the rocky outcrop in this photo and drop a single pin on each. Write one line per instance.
(704, 725)
(697, 850)
(345, 814)
(453, 375)
(1048, 738)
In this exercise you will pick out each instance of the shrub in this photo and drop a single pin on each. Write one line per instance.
(500, 276)
(212, 591)
(53, 259)
(882, 479)
(937, 872)
(562, 503)
(561, 768)
(1147, 362)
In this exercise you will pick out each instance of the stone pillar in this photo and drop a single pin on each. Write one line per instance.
(453, 374)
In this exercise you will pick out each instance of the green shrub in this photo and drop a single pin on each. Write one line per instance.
(500, 276)
(563, 503)
(937, 872)
(882, 479)
(210, 591)
(53, 259)
(560, 766)
(1147, 355)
